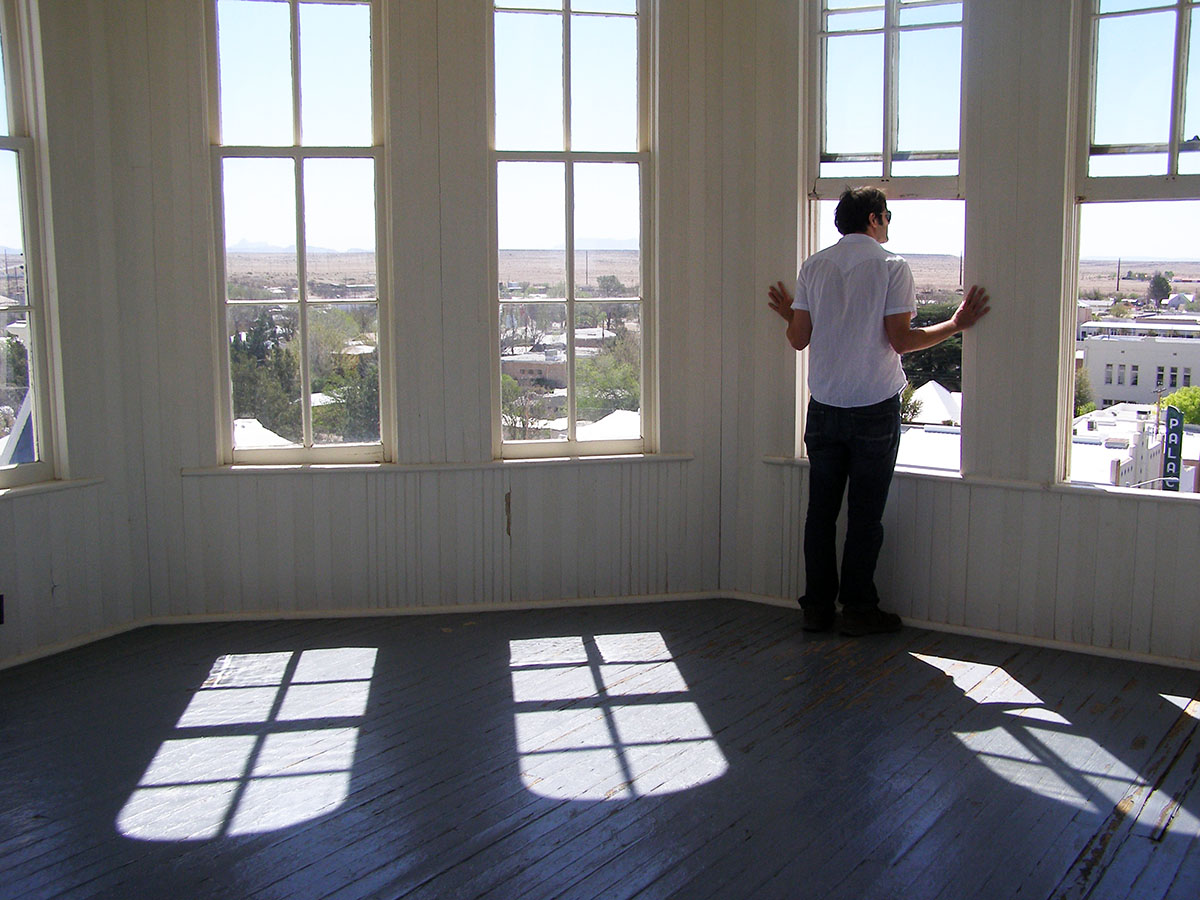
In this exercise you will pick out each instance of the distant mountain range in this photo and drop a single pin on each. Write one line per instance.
(244, 246)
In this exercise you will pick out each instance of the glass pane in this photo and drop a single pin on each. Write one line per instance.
(854, 94)
(335, 74)
(608, 371)
(1127, 164)
(930, 235)
(1138, 271)
(607, 230)
(4, 126)
(1109, 6)
(254, 50)
(529, 81)
(343, 353)
(339, 222)
(1189, 162)
(533, 371)
(604, 6)
(18, 442)
(264, 367)
(926, 167)
(529, 4)
(1191, 97)
(851, 4)
(855, 21)
(12, 236)
(603, 83)
(1133, 93)
(531, 229)
(851, 169)
(260, 229)
(928, 15)
(929, 80)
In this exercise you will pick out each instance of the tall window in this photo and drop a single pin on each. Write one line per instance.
(24, 433)
(889, 94)
(571, 155)
(1139, 186)
(296, 161)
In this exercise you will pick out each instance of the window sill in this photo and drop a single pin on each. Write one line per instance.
(249, 469)
(47, 487)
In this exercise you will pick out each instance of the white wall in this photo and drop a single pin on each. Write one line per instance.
(166, 534)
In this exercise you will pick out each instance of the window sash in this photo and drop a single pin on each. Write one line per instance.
(17, 35)
(309, 452)
(571, 446)
(932, 187)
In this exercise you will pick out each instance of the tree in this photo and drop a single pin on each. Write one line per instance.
(941, 363)
(611, 380)
(1160, 287)
(1187, 401)
(520, 410)
(909, 408)
(610, 286)
(1084, 399)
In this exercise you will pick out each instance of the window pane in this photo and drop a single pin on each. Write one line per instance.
(1189, 162)
(1191, 97)
(529, 77)
(607, 230)
(1138, 316)
(529, 4)
(854, 94)
(1127, 164)
(339, 221)
(603, 83)
(930, 235)
(851, 169)
(533, 371)
(254, 51)
(913, 167)
(608, 371)
(18, 443)
(928, 15)
(12, 236)
(264, 366)
(260, 229)
(335, 74)
(1133, 92)
(531, 229)
(855, 21)
(929, 80)
(1109, 6)
(604, 6)
(343, 353)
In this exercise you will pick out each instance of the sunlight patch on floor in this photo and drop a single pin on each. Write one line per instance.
(607, 716)
(268, 741)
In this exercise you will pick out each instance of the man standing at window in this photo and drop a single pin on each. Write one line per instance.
(853, 308)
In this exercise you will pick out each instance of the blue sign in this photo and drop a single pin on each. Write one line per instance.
(1173, 450)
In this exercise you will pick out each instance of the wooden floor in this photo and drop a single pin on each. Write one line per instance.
(693, 750)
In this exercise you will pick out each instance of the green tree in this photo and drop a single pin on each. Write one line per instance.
(266, 378)
(520, 409)
(941, 363)
(16, 357)
(610, 286)
(1119, 310)
(1085, 401)
(611, 380)
(1160, 287)
(909, 408)
(1187, 401)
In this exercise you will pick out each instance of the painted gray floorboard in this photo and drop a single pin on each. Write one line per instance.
(847, 767)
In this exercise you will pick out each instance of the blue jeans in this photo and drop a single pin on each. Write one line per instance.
(855, 446)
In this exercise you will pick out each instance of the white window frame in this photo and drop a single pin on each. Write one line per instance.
(1102, 188)
(904, 187)
(642, 156)
(298, 152)
(20, 36)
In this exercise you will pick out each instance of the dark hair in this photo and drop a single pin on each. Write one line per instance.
(853, 215)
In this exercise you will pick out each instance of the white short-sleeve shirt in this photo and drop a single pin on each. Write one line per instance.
(847, 289)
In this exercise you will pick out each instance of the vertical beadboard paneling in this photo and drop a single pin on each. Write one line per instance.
(986, 554)
(1170, 631)
(1114, 572)
(922, 524)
